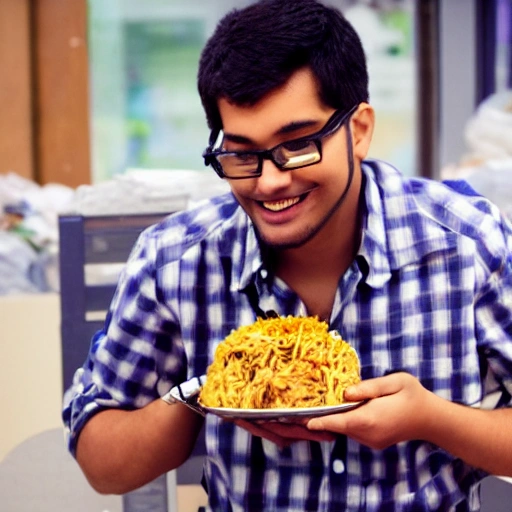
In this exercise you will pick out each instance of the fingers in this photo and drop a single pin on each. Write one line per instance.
(296, 431)
(374, 388)
(259, 431)
(370, 424)
(283, 434)
(332, 423)
(394, 408)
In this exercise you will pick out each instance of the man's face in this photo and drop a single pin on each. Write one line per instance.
(292, 208)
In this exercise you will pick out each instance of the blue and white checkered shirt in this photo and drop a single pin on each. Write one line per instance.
(430, 292)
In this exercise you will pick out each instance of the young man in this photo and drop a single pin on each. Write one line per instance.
(415, 274)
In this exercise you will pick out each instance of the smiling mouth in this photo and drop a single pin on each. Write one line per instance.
(283, 204)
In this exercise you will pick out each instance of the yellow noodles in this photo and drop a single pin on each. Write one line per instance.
(280, 362)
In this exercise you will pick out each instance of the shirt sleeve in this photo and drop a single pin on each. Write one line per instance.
(138, 355)
(493, 310)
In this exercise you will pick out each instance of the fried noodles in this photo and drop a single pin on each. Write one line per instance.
(280, 362)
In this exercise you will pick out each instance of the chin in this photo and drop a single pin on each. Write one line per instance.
(286, 242)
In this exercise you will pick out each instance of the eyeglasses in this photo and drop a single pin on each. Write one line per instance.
(292, 154)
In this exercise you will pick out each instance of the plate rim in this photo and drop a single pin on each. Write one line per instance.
(281, 412)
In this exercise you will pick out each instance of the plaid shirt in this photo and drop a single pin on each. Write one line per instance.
(430, 292)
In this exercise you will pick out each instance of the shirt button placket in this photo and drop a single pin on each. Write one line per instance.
(338, 466)
(338, 475)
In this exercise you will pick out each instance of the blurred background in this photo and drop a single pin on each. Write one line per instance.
(100, 117)
(145, 109)
(91, 89)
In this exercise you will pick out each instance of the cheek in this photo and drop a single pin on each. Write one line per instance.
(241, 188)
(335, 156)
(331, 176)
(241, 193)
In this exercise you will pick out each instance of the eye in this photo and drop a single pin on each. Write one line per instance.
(297, 145)
(238, 158)
(244, 158)
(297, 153)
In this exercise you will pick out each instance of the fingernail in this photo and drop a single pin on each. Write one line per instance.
(314, 424)
(351, 390)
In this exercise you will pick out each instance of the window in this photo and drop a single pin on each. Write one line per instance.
(145, 109)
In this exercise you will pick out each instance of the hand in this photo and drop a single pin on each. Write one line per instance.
(284, 434)
(398, 410)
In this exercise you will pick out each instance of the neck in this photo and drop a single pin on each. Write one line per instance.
(331, 251)
(314, 270)
(325, 254)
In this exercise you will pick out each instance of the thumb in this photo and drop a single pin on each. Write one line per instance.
(374, 388)
(354, 393)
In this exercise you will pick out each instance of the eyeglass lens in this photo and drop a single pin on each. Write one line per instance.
(283, 156)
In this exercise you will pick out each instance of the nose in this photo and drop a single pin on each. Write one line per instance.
(272, 178)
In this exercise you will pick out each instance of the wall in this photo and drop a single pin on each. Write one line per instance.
(31, 389)
(30, 380)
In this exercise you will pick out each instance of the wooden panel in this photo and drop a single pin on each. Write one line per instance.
(15, 89)
(61, 71)
(427, 41)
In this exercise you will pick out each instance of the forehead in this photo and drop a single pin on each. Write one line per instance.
(295, 101)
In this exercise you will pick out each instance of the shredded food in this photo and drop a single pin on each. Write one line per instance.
(280, 362)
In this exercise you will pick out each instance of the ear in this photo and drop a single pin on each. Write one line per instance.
(362, 123)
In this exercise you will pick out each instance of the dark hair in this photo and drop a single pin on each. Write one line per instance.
(256, 49)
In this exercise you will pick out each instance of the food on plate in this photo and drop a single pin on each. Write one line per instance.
(283, 362)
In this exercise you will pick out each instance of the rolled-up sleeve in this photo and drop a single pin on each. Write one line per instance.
(493, 310)
(137, 356)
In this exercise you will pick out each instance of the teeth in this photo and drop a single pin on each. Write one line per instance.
(277, 206)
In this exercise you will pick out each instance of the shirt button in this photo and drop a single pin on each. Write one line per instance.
(338, 466)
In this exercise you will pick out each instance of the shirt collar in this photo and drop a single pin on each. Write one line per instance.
(397, 230)
(374, 244)
(255, 258)
(247, 259)
(390, 213)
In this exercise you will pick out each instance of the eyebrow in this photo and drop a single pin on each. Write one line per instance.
(292, 127)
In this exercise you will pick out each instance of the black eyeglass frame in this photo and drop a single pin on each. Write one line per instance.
(333, 124)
